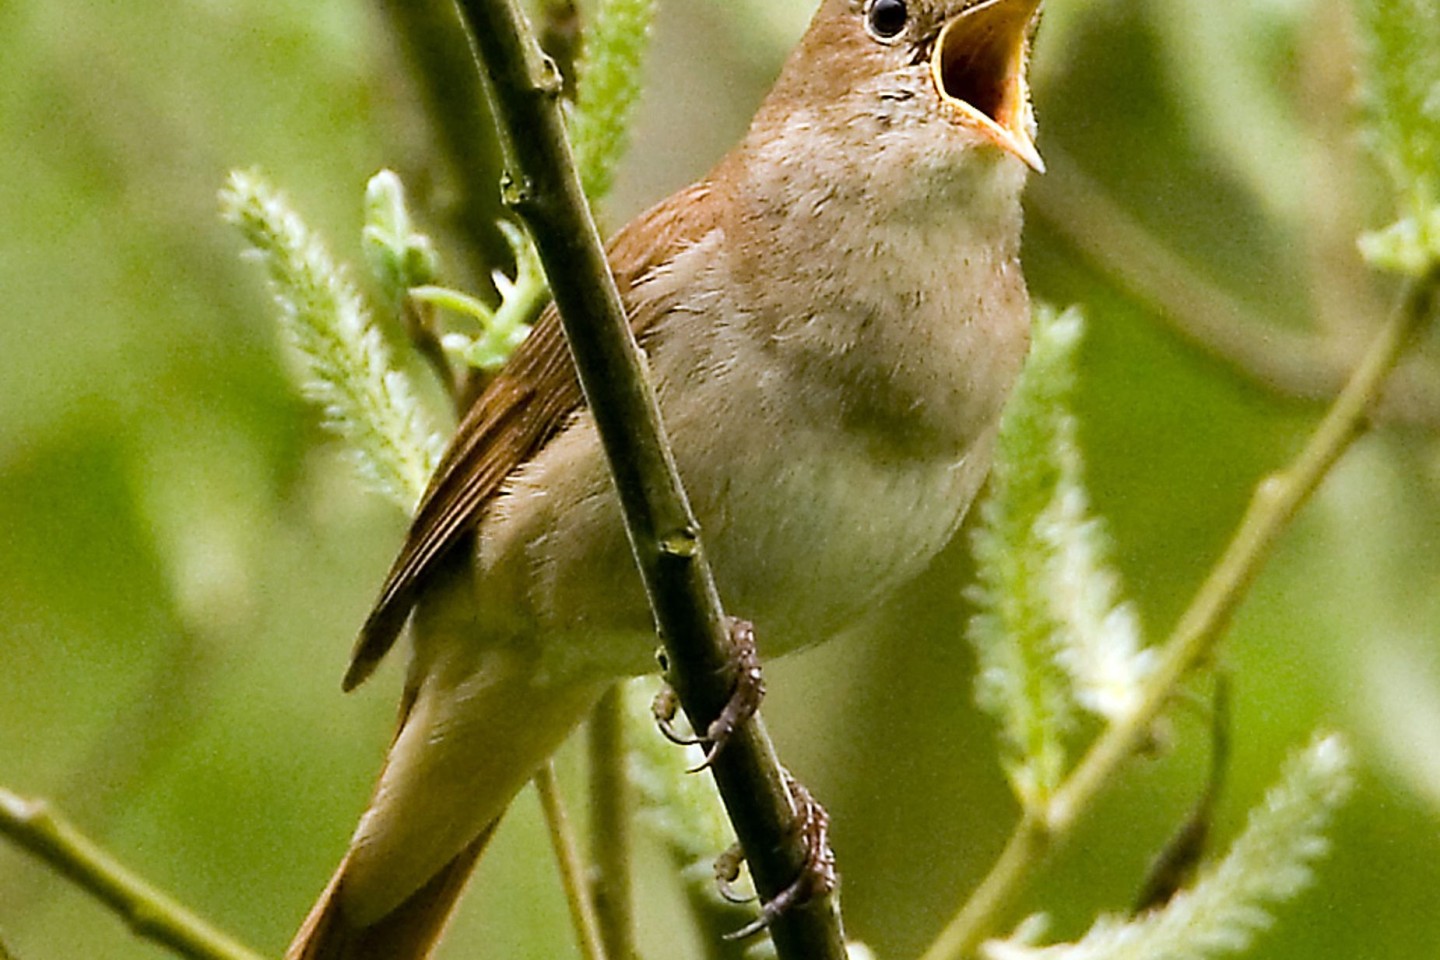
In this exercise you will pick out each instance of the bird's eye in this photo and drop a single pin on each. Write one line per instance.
(886, 18)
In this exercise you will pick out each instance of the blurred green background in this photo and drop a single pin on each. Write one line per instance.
(184, 556)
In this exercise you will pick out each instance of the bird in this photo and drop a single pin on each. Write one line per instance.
(833, 318)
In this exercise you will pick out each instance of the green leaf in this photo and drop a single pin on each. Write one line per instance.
(400, 256)
(1051, 630)
(506, 327)
(1098, 640)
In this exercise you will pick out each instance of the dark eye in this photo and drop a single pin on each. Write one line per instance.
(886, 18)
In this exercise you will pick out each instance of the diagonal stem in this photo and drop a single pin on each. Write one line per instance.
(1275, 503)
(571, 863)
(150, 914)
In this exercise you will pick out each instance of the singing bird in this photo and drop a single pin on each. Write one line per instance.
(833, 318)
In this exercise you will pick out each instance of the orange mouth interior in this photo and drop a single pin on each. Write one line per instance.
(979, 68)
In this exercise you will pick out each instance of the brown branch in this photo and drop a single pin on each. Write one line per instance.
(543, 189)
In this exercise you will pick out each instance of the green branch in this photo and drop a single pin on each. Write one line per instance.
(543, 189)
(612, 811)
(1274, 505)
(150, 914)
(572, 865)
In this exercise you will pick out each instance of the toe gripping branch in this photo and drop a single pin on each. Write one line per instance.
(817, 878)
(744, 700)
(818, 875)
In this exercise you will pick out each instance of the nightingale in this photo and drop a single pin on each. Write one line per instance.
(833, 318)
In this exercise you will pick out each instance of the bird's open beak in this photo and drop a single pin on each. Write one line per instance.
(979, 66)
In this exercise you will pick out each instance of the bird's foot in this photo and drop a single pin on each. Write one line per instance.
(744, 700)
(817, 877)
(745, 696)
(727, 871)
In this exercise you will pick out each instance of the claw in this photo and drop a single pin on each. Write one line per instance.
(818, 876)
(727, 871)
(664, 709)
(744, 699)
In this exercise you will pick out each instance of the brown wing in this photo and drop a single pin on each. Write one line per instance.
(521, 409)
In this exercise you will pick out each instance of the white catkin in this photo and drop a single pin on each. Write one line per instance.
(346, 368)
(1221, 913)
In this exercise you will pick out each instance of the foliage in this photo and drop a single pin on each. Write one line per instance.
(400, 257)
(1049, 630)
(1270, 863)
(608, 88)
(132, 352)
(1401, 91)
(347, 368)
(504, 328)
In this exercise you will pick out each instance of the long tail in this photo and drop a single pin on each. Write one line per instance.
(410, 930)
(479, 722)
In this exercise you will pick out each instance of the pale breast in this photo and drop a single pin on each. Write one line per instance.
(823, 478)
(828, 469)
(831, 411)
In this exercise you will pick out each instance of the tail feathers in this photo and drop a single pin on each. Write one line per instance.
(409, 932)
(479, 717)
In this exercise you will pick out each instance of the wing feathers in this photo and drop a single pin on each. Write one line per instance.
(515, 416)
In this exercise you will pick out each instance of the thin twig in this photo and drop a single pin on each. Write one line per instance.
(612, 808)
(572, 865)
(543, 188)
(418, 320)
(150, 914)
(1276, 501)
(1177, 863)
(460, 155)
(1029, 843)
